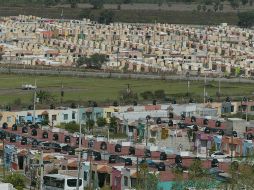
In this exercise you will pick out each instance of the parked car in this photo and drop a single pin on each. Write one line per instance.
(219, 155)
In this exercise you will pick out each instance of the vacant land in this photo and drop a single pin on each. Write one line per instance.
(107, 90)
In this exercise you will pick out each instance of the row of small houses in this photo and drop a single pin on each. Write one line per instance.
(113, 170)
(214, 132)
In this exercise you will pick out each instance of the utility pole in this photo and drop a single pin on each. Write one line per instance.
(205, 90)
(35, 87)
(42, 169)
(79, 156)
(147, 119)
(9, 69)
(137, 172)
(219, 84)
(3, 158)
(90, 170)
(246, 112)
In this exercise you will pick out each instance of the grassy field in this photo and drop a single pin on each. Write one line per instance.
(107, 90)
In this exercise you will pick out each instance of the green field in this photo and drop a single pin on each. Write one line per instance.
(107, 90)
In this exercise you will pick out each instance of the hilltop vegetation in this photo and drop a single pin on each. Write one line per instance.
(234, 3)
(162, 11)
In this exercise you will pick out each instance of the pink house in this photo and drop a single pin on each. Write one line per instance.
(116, 177)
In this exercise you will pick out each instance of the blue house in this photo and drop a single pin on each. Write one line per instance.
(91, 113)
(217, 141)
(10, 155)
(248, 147)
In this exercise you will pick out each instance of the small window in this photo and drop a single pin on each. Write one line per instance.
(83, 116)
(232, 108)
(72, 182)
(125, 181)
(85, 176)
(9, 119)
(53, 117)
(65, 116)
(98, 115)
(73, 116)
(252, 108)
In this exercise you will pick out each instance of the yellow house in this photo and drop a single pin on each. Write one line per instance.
(107, 112)
(7, 117)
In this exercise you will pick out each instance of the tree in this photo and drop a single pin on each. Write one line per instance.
(48, 3)
(97, 4)
(244, 2)
(81, 61)
(234, 4)
(199, 7)
(152, 180)
(73, 3)
(196, 169)
(106, 17)
(127, 1)
(189, 134)
(221, 7)
(237, 71)
(147, 95)
(160, 94)
(128, 97)
(90, 125)
(101, 122)
(204, 8)
(16, 179)
(71, 127)
(113, 124)
(95, 61)
(215, 7)
(241, 172)
(73, 105)
(246, 19)
(45, 97)
(160, 2)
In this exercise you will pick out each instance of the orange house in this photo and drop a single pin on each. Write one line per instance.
(232, 146)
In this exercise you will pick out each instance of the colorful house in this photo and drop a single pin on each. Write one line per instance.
(232, 145)
(91, 113)
(107, 112)
(7, 117)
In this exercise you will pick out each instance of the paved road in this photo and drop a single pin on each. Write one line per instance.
(78, 73)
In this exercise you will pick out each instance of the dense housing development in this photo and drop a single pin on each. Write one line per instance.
(218, 50)
(163, 136)
(129, 145)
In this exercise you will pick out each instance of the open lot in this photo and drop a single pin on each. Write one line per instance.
(106, 90)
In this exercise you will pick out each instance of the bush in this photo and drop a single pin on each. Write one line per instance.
(159, 94)
(246, 19)
(147, 95)
(16, 179)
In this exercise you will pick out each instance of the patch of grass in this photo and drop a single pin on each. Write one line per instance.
(107, 90)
